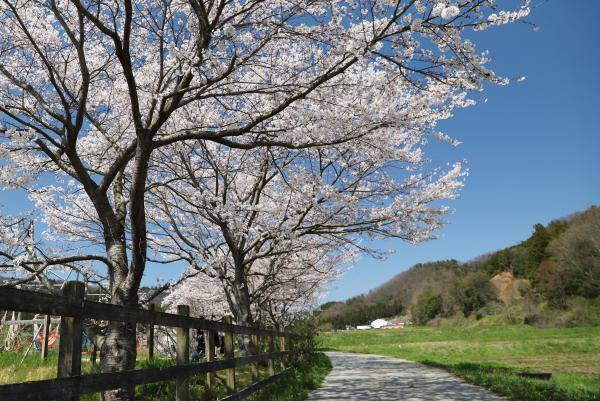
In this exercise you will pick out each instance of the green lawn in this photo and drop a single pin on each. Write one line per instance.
(490, 356)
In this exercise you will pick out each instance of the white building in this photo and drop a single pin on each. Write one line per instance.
(379, 323)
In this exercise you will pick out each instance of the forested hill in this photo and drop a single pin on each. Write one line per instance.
(558, 263)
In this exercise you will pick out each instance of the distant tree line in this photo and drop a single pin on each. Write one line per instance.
(524, 259)
(561, 260)
(572, 267)
(363, 313)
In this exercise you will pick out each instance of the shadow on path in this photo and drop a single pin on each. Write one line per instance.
(372, 377)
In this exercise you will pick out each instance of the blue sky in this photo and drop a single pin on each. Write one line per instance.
(533, 149)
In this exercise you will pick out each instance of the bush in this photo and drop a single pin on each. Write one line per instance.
(306, 327)
(427, 307)
(472, 292)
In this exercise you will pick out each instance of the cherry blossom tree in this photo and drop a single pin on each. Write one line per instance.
(278, 288)
(90, 90)
(223, 209)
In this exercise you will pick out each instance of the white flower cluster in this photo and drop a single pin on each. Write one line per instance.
(505, 17)
(444, 10)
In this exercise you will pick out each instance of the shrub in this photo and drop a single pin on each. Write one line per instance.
(427, 307)
(472, 292)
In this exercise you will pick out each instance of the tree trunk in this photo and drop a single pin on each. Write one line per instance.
(240, 305)
(118, 353)
(239, 302)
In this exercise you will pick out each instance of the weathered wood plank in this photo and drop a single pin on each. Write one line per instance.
(150, 339)
(93, 354)
(209, 341)
(73, 309)
(36, 302)
(54, 389)
(70, 337)
(46, 334)
(271, 362)
(536, 375)
(29, 322)
(256, 386)
(255, 348)
(229, 350)
(182, 389)
(282, 348)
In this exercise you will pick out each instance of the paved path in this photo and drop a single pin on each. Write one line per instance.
(378, 378)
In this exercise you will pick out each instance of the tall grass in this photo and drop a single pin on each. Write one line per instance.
(15, 369)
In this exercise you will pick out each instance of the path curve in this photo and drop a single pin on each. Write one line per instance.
(378, 378)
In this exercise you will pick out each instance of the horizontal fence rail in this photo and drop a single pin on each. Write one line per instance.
(73, 309)
(36, 302)
(66, 387)
(257, 386)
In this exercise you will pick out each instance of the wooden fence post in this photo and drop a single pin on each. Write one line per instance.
(70, 342)
(282, 348)
(209, 341)
(229, 353)
(271, 350)
(183, 354)
(150, 339)
(93, 354)
(255, 347)
(295, 348)
(45, 339)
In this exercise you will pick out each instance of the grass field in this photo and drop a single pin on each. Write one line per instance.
(491, 356)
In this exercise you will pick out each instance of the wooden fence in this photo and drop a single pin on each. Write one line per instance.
(73, 309)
